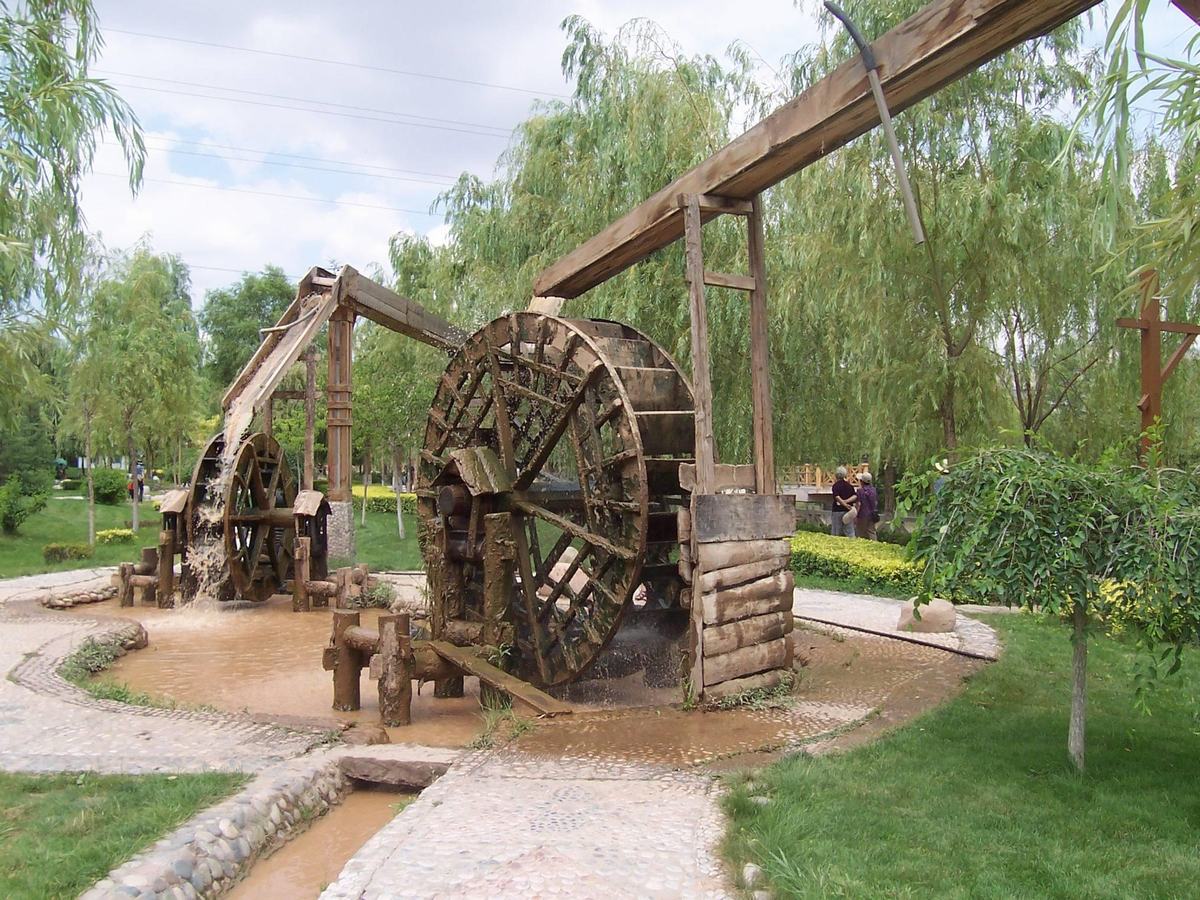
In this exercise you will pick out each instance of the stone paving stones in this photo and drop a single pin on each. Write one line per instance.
(880, 615)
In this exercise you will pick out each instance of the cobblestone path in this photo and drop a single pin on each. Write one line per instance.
(509, 825)
(49, 725)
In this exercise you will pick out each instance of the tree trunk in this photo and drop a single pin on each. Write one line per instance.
(91, 485)
(397, 462)
(134, 523)
(947, 411)
(1075, 736)
(366, 483)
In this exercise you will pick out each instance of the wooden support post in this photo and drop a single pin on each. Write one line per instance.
(344, 580)
(1151, 404)
(341, 330)
(268, 423)
(166, 568)
(310, 415)
(301, 601)
(701, 375)
(760, 365)
(125, 585)
(346, 663)
(395, 680)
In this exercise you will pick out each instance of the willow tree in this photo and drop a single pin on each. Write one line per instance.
(144, 350)
(641, 114)
(924, 340)
(52, 112)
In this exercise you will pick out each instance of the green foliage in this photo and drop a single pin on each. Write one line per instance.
(109, 485)
(53, 113)
(1034, 529)
(94, 655)
(869, 564)
(781, 696)
(377, 595)
(115, 536)
(72, 484)
(231, 318)
(382, 500)
(17, 505)
(52, 553)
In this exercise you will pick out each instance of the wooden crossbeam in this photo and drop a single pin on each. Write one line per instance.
(468, 662)
(725, 279)
(940, 43)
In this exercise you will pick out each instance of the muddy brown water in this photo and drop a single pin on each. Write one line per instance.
(266, 661)
(305, 866)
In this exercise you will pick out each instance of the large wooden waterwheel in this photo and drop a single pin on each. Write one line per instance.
(248, 510)
(575, 429)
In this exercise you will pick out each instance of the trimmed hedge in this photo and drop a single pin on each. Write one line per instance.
(381, 499)
(52, 553)
(868, 562)
(71, 484)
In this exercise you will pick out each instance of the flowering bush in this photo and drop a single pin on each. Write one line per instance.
(115, 536)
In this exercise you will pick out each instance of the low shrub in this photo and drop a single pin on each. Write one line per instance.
(70, 484)
(381, 499)
(72, 472)
(109, 485)
(115, 536)
(17, 504)
(53, 553)
(869, 563)
(94, 655)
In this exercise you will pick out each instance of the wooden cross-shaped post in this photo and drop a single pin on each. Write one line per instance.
(1154, 373)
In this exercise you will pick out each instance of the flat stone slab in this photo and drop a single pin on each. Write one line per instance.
(880, 615)
(505, 824)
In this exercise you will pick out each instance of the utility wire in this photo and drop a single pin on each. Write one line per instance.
(324, 112)
(289, 165)
(233, 190)
(324, 159)
(388, 112)
(337, 62)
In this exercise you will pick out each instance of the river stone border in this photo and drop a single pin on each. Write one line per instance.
(207, 855)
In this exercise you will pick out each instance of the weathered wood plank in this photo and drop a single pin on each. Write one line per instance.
(705, 445)
(743, 517)
(725, 477)
(760, 363)
(377, 303)
(746, 632)
(721, 579)
(717, 612)
(501, 680)
(745, 661)
(730, 280)
(938, 44)
(726, 554)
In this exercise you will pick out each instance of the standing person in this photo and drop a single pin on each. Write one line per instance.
(868, 508)
(844, 500)
(141, 481)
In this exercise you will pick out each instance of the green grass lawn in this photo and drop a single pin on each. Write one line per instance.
(977, 798)
(65, 522)
(59, 834)
(378, 545)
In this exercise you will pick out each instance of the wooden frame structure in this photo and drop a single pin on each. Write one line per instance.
(745, 586)
(1154, 374)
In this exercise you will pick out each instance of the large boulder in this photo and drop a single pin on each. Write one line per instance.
(937, 616)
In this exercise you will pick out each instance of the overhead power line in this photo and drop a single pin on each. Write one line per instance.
(323, 112)
(233, 190)
(290, 165)
(337, 62)
(388, 112)
(324, 159)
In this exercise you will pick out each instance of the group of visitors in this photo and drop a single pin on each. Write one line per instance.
(855, 513)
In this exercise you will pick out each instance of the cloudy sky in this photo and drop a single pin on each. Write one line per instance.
(302, 133)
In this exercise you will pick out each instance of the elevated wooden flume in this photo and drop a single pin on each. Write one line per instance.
(568, 483)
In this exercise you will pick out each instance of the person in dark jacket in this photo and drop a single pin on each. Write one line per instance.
(868, 508)
(844, 500)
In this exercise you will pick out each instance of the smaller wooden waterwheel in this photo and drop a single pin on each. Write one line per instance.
(249, 509)
(570, 432)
